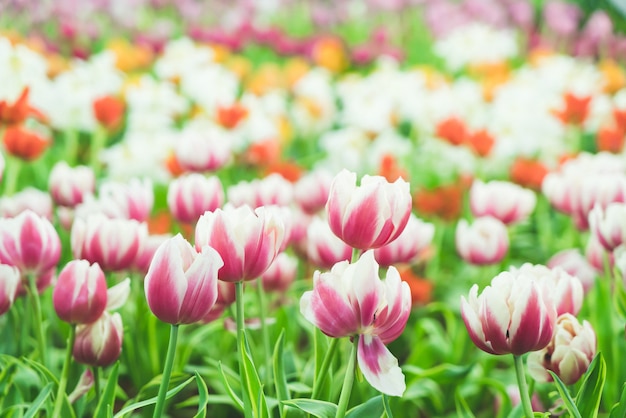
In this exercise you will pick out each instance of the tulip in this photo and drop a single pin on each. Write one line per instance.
(9, 282)
(146, 251)
(189, 196)
(30, 243)
(247, 240)
(486, 241)
(271, 190)
(201, 150)
(69, 185)
(596, 254)
(135, 198)
(412, 242)
(112, 243)
(280, 274)
(109, 111)
(311, 191)
(181, 284)
(350, 301)
(565, 290)
(569, 353)
(25, 143)
(80, 294)
(573, 262)
(502, 200)
(28, 198)
(99, 343)
(609, 225)
(323, 248)
(513, 315)
(370, 215)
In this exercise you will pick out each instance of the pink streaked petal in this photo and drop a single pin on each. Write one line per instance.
(201, 293)
(231, 251)
(380, 368)
(532, 321)
(364, 220)
(118, 295)
(469, 313)
(496, 318)
(391, 322)
(366, 286)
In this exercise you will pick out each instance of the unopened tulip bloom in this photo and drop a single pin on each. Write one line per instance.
(148, 247)
(69, 185)
(28, 198)
(280, 274)
(370, 215)
(513, 315)
(573, 262)
(9, 282)
(508, 202)
(323, 248)
(247, 240)
(351, 300)
(190, 195)
(181, 284)
(415, 238)
(271, 190)
(311, 191)
(565, 290)
(30, 243)
(609, 225)
(596, 254)
(80, 293)
(134, 198)
(568, 355)
(202, 150)
(99, 343)
(112, 243)
(486, 241)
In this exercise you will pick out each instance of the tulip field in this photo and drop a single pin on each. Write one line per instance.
(280, 208)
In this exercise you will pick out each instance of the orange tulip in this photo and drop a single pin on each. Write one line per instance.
(24, 143)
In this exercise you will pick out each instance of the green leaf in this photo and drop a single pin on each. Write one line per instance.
(462, 408)
(373, 408)
(153, 400)
(619, 409)
(280, 379)
(387, 406)
(39, 401)
(319, 409)
(42, 370)
(104, 409)
(203, 396)
(236, 399)
(590, 393)
(565, 396)
(441, 373)
(252, 384)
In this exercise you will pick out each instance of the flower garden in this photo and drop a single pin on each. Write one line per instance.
(409, 208)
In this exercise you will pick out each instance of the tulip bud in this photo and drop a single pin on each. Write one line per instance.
(99, 343)
(135, 198)
(189, 196)
(69, 185)
(609, 225)
(513, 315)
(573, 262)
(181, 284)
(370, 215)
(502, 200)
(280, 274)
(9, 283)
(323, 248)
(486, 241)
(568, 355)
(271, 190)
(415, 238)
(80, 294)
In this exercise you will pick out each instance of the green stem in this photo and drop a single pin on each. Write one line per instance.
(71, 146)
(38, 323)
(523, 386)
(346, 389)
(324, 369)
(95, 370)
(11, 174)
(167, 372)
(98, 141)
(355, 255)
(265, 333)
(58, 403)
(247, 406)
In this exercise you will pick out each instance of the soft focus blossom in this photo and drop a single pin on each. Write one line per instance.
(351, 300)
(271, 190)
(181, 284)
(247, 240)
(135, 198)
(148, 247)
(68, 185)
(323, 248)
(609, 225)
(513, 315)
(370, 215)
(190, 195)
(10, 279)
(99, 343)
(203, 150)
(412, 242)
(311, 191)
(24, 143)
(280, 274)
(574, 263)
(485, 241)
(502, 200)
(568, 355)
(80, 293)
(29, 198)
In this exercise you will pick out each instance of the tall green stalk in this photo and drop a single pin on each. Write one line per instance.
(523, 387)
(328, 357)
(247, 406)
(38, 322)
(167, 372)
(58, 403)
(265, 334)
(346, 389)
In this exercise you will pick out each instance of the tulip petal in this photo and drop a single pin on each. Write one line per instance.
(380, 368)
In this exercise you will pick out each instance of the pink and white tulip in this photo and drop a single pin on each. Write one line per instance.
(69, 185)
(112, 243)
(99, 343)
(271, 190)
(181, 284)
(412, 242)
(248, 240)
(324, 249)
(10, 280)
(29, 198)
(146, 251)
(280, 274)
(508, 202)
(513, 315)
(486, 241)
(370, 215)
(190, 195)
(573, 262)
(596, 254)
(311, 191)
(80, 293)
(30, 243)
(569, 353)
(203, 150)
(609, 225)
(134, 198)
(351, 300)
